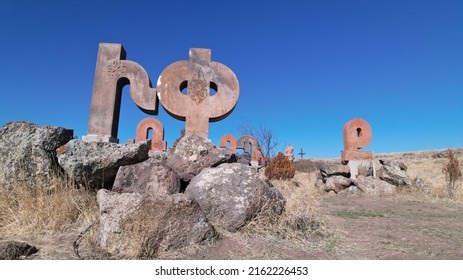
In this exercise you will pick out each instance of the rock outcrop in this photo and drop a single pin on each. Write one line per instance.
(232, 194)
(28, 152)
(191, 154)
(394, 172)
(150, 176)
(95, 164)
(134, 225)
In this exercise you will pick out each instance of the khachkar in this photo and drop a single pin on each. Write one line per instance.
(198, 75)
(357, 135)
(198, 107)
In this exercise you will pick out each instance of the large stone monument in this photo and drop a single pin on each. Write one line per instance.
(112, 73)
(198, 107)
(357, 135)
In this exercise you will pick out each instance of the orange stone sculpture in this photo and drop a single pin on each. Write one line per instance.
(230, 139)
(357, 135)
(198, 75)
(112, 73)
(157, 141)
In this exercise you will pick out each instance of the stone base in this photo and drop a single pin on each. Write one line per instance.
(99, 138)
(356, 155)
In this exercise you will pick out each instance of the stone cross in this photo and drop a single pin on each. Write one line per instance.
(301, 153)
(157, 141)
(198, 75)
(357, 135)
(112, 73)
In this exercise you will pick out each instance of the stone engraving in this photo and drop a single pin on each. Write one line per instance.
(289, 151)
(198, 75)
(112, 73)
(357, 135)
(230, 139)
(157, 141)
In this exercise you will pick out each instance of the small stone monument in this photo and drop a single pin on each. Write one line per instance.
(230, 139)
(289, 151)
(357, 135)
(199, 75)
(250, 144)
(157, 142)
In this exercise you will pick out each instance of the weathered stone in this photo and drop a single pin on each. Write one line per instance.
(134, 225)
(366, 168)
(95, 164)
(14, 250)
(112, 73)
(289, 152)
(250, 145)
(232, 194)
(357, 135)
(192, 153)
(198, 75)
(228, 138)
(394, 172)
(28, 152)
(337, 183)
(374, 186)
(333, 169)
(157, 142)
(150, 176)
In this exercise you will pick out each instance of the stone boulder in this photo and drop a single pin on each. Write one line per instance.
(14, 250)
(28, 152)
(95, 164)
(394, 172)
(336, 183)
(134, 225)
(150, 176)
(334, 169)
(373, 186)
(192, 153)
(232, 194)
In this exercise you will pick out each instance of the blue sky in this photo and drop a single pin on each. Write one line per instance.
(305, 67)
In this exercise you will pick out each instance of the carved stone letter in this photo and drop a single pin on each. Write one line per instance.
(198, 75)
(112, 73)
(248, 143)
(357, 135)
(157, 141)
(228, 138)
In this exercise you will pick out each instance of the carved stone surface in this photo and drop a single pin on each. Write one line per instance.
(157, 141)
(112, 73)
(357, 135)
(230, 139)
(198, 75)
(289, 152)
(250, 144)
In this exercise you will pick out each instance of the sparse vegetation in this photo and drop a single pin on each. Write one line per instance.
(452, 172)
(280, 168)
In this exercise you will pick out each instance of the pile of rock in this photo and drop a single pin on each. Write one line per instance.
(147, 202)
(339, 178)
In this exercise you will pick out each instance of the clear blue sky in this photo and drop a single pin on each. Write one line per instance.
(305, 67)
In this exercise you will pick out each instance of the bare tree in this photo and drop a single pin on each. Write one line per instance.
(264, 136)
(452, 172)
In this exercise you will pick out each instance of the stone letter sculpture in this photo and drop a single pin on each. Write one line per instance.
(112, 73)
(228, 138)
(289, 151)
(357, 135)
(198, 75)
(157, 141)
(248, 142)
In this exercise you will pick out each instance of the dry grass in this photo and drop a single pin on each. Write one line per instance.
(51, 207)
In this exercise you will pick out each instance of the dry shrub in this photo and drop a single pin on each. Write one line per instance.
(452, 172)
(53, 206)
(280, 168)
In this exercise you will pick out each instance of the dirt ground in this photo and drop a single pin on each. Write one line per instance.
(358, 227)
